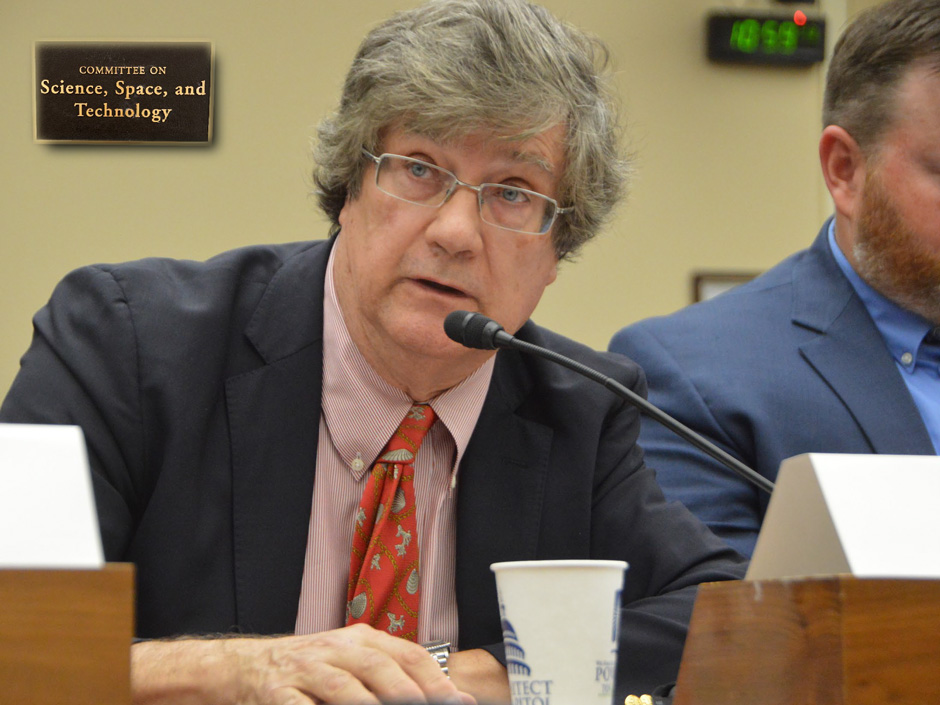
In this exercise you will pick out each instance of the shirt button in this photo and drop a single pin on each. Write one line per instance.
(357, 464)
(907, 359)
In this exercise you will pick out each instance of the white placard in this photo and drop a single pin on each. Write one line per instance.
(871, 516)
(47, 506)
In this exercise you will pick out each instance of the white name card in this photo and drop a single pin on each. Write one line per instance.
(47, 506)
(871, 516)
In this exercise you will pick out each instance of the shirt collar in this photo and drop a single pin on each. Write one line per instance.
(903, 331)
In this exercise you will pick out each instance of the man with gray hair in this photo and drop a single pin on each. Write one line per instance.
(233, 409)
(834, 350)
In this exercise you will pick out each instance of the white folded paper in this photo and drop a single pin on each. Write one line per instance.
(871, 516)
(47, 506)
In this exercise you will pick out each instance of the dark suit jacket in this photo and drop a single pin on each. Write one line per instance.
(786, 364)
(198, 388)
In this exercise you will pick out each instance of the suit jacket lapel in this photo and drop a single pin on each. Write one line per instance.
(274, 416)
(850, 355)
(501, 484)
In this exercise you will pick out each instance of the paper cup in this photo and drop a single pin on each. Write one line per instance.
(560, 624)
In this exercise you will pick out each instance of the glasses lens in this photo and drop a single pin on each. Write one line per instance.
(516, 208)
(413, 180)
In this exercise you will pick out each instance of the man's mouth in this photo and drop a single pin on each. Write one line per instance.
(443, 288)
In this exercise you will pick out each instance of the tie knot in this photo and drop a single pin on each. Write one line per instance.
(421, 415)
(404, 444)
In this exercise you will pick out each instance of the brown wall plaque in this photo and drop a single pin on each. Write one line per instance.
(123, 92)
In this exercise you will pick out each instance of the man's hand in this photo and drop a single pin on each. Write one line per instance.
(356, 664)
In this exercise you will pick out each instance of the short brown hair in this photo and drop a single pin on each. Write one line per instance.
(869, 61)
(452, 67)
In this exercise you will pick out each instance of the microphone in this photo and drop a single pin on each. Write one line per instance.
(474, 330)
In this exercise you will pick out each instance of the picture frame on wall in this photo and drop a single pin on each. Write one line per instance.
(707, 285)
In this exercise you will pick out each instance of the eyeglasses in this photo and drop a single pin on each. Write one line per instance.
(507, 207)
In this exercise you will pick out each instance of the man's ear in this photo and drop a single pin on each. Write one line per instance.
(844, 167)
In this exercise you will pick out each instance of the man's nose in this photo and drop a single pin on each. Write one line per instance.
(457, 227)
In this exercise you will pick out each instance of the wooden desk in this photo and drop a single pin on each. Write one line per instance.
(815, 641)
(65, 636)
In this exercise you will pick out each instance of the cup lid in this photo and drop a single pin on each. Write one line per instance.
(577, 563)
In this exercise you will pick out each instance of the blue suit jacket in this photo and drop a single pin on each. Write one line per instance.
(788, 363)
(198, 388)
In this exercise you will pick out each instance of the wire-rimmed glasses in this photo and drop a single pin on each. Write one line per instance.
(505, 206)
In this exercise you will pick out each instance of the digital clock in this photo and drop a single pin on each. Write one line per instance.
(783, 39)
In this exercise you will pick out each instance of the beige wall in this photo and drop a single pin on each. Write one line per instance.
(727, 172)
(855, 6)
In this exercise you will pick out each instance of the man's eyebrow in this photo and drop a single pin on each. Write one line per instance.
(536, 159)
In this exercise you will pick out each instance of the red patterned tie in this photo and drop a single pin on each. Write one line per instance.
(383, 570)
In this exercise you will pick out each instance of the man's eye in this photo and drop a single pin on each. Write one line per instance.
(418, 170)
(513, 195)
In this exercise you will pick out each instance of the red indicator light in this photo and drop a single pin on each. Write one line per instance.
(799, 18)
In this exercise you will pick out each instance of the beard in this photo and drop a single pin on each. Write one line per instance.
(893, 259)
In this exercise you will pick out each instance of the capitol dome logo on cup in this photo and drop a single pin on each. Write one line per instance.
(560, 624)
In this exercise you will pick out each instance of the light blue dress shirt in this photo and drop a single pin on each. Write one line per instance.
(903, 332)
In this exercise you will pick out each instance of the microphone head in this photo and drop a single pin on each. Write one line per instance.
(454, 325)
(472, 330)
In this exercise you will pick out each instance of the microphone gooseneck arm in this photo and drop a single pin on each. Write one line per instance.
(474, 330)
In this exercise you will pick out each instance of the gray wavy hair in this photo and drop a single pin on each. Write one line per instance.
(450, 68)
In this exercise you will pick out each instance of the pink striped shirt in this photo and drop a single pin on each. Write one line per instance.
(360, 411)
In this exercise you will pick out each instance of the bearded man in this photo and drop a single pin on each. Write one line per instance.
(836, 349)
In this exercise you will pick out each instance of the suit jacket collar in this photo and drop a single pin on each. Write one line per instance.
(851, 356)
(289, 316)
